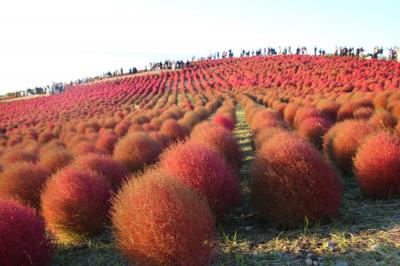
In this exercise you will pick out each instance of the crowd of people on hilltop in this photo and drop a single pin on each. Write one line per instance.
(168, 65)
(393, 54)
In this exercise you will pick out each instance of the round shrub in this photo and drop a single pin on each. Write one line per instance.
(377, 165)
(83, 148)
(291, 182)
(383, 119)
(175, 131)
(328, 108)
(264, 119)
(225, 121)
(11, 156)
(342, 140)
(158, 220)
(23, 238)
(289, 112)
(106, 143)
(136, 150)
(363, 113)
(205, 171)
(313, 129)
(114, 171)
(160, 137)
(222, 140)
(265, 134)
(304, 113)
(55, 159)
(45, 137)
(23, 181)
(75, 204)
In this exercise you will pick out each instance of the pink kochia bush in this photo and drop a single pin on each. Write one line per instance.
(291, 182)
(225, 121)
(205, 171)
(158, 220)
(114, 171)
(23, 181)
(23, 239)
(377, 165)
(75, 204)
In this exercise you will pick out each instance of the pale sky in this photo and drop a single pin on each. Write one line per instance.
(58, 40)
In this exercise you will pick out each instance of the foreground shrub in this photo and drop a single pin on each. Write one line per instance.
(204, 170)
(160, 221)
(377, 165)
(23, 238)
(342, 140)
(104, 165)
(75, 204)
(136, 150)
(23, 181)
(291, 182)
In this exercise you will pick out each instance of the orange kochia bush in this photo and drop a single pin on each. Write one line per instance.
(377, 165)
(75, 204)
(136, 150)
(342, 140)
(158, 220)
(23, 181)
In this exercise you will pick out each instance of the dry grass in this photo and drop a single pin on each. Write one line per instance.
(367, 233)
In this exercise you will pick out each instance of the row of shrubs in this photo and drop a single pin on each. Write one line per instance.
(346, 129)
(153, 209)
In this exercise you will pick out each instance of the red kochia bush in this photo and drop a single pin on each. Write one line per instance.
(75, 204)
(23, 181)
(313, 129)
(221, 140)
(342, 140)
(377, 165)
(291, 182)
(114, 171)
(23, 238)
(160, 221)
(204, 170)
(136, 150)
(225, 121)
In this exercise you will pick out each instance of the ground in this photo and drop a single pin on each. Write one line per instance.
(366, 233)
